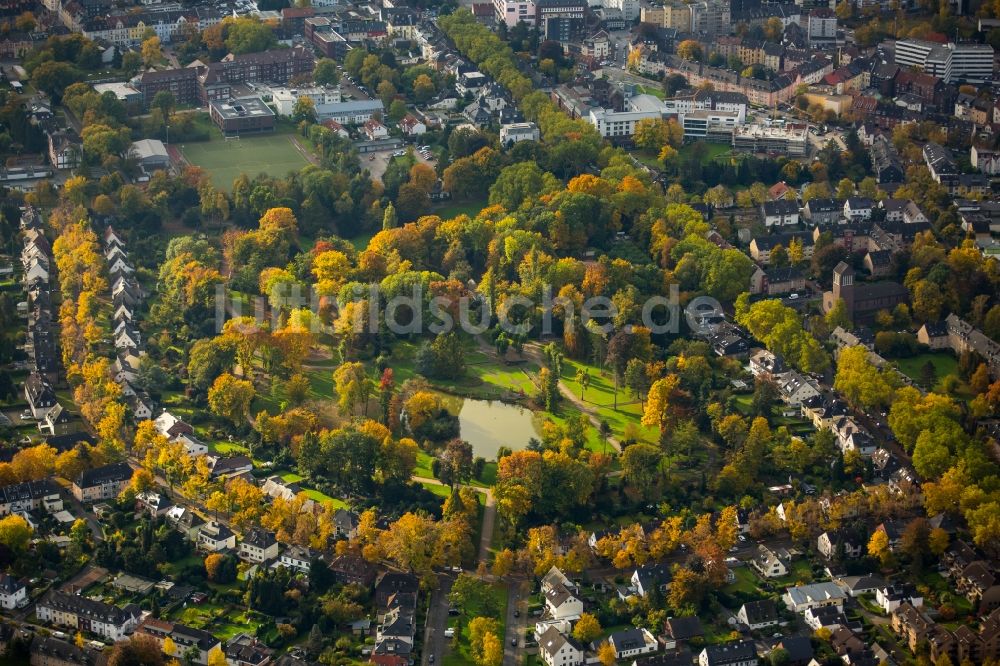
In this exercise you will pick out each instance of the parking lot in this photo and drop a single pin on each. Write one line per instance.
(378, 162)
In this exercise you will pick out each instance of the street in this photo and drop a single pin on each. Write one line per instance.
(517, 603)
(435, 642)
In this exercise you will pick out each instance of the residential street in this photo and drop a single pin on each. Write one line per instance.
(517, 600)
(435, 642)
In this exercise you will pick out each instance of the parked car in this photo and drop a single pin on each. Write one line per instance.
(449, 632)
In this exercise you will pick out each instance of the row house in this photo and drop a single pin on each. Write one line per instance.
(85, 614)
(30, 496)
(102, 483)
(187, 640)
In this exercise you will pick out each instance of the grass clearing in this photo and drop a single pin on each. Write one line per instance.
(944, 364)
(454, 209)
(272, 154)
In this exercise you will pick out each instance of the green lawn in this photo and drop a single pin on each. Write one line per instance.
(315, 495)
(449, 210)
(600, 395)
(655, 91)
(944, 364)
(225, 160)
(746, 581)
(320, 388)
(713, 150)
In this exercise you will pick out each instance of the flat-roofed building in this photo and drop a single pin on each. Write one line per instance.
(246, 115)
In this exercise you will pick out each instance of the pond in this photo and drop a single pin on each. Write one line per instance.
(490, 424)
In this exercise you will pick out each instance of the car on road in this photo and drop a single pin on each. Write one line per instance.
(430, 659)
(792, 297)
(517, 613)
(513, 642)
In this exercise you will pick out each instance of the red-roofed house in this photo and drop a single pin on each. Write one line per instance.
(411, 126)
(375, 130)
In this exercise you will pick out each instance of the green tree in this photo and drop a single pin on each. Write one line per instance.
(325, 72)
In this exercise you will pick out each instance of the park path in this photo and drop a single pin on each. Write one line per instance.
(489, 515)
(533, 351)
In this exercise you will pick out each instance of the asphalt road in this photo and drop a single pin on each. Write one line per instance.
(435, 642)
(517, 601)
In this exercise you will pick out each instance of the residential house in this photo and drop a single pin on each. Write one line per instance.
(215, 537)
(349, 569)
(855, 586)
(823, 211)
(375, 130)
(780, 213)
(259, 545)
(88, 615)
(631, 643)
(678, 629)
(878, 263)
(857, 209)
(224, 468)
(185, 521)
(345, 523)
(557, 649)
(392, 582)
(891, 597)
(64, 150)
(298, 558)
(411, 126)
(152, 503)
(733, 653)
(245, 650)
(13, 593)
(762, 246)
(839, 544)
(784, 280)
(824, 617)
(187, 640)
(649, 577)
(758, 614)
(795, 388)
(30, 496)
(561, 603)
(102, 483)
(50, 651)
(40, 395)
(893, 529)
(799, 649)
(815, 595)
(768, 564)
(764, 363)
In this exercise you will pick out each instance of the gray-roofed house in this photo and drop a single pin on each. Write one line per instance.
(101, 483)
(259, 545)
(758, 614)
(559, 650)
(733, 653)
(681, 629)
(634, 642)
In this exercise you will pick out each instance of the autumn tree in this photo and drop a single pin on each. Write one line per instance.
(230, 398)
(689, 49)
(15, 533)
(587, 629)
(606, 654)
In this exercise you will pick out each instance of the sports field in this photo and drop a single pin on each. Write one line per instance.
(273, 154)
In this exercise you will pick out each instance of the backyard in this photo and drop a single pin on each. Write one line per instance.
(273, 154)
